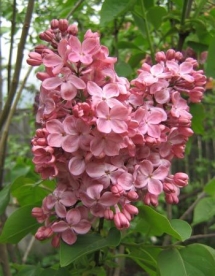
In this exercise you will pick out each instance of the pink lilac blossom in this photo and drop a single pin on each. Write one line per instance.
(106, 141)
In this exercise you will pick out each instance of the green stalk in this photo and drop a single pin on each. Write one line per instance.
(148, 33)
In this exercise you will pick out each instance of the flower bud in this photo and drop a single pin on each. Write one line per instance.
(160, 56)
(73, 29)
(108, 214)
(132, 195)
(171, 198)
(54, 24)
(117, 190)
(150, 199)
(181, 179)
(121, 221)
(63, 25)
(170, 54)
(131, 209)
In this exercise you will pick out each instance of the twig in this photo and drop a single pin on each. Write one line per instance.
(1, 80)
(190, 209)
(13, 27)
(4, 260)
(74, 8)
(3, 141)
(202, 236)
(147, 32)
(31, 243)
(16, 75)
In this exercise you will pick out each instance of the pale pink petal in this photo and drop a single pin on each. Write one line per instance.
(74, 57)
(68, 199)
(108, 199)
(50, 201)
(162, 96)
(62, 47)
(82, 227)
(93, 89)
(86, 200)
(55, 140)
(70, 143)
(69, 237)
(77, 82)
(60, 226)
(51, 83)
(75, 44)
(68, 91)
(90, 46)
(154, 131)
(119, 126)
(102, 110)
(54, 126)
(51, 60)
(97, 210)
(86, 59)
(94, 191)
(125, 180)
(146, 167)
(97, 146)
(73, 216)
(160, 173)
(60, 210)
(111, 90)
(95, 170)
(186, 68)
(119, 112)
(76, 165)
(104, 125)
(155, 186)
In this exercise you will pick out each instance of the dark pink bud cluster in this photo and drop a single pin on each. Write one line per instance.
(108, 142)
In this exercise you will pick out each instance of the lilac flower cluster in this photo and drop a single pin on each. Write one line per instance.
(108, 142)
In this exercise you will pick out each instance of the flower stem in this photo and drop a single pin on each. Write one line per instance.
(97, 253)
(148, 33)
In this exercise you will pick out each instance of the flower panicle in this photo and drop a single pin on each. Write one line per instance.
(109, 142)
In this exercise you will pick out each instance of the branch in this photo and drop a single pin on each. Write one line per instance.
(148, 33)
(4, 260)
(74, 8)
(1, 80)
(190, 209)
(3, 141)
(18, 67)
(13, 26)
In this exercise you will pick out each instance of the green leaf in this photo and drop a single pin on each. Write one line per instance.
(210, 63)
(140, 23)
(194, 259)
(170, 263)
(204, 210)
(52, 272)
(30, 270)
(142, 257)
(156, 224)
(136, 59)
(111, 9)
(182, 228)
(210, 187)
(26, 191)
(197, 46)
(18, 225)
(127, 45)
(198, 112)
(198, 260)
(123, 69)
(4, 198)
(155, 16)
(86, 244)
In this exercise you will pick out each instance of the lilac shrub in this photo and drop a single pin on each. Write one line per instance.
(108, 142)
